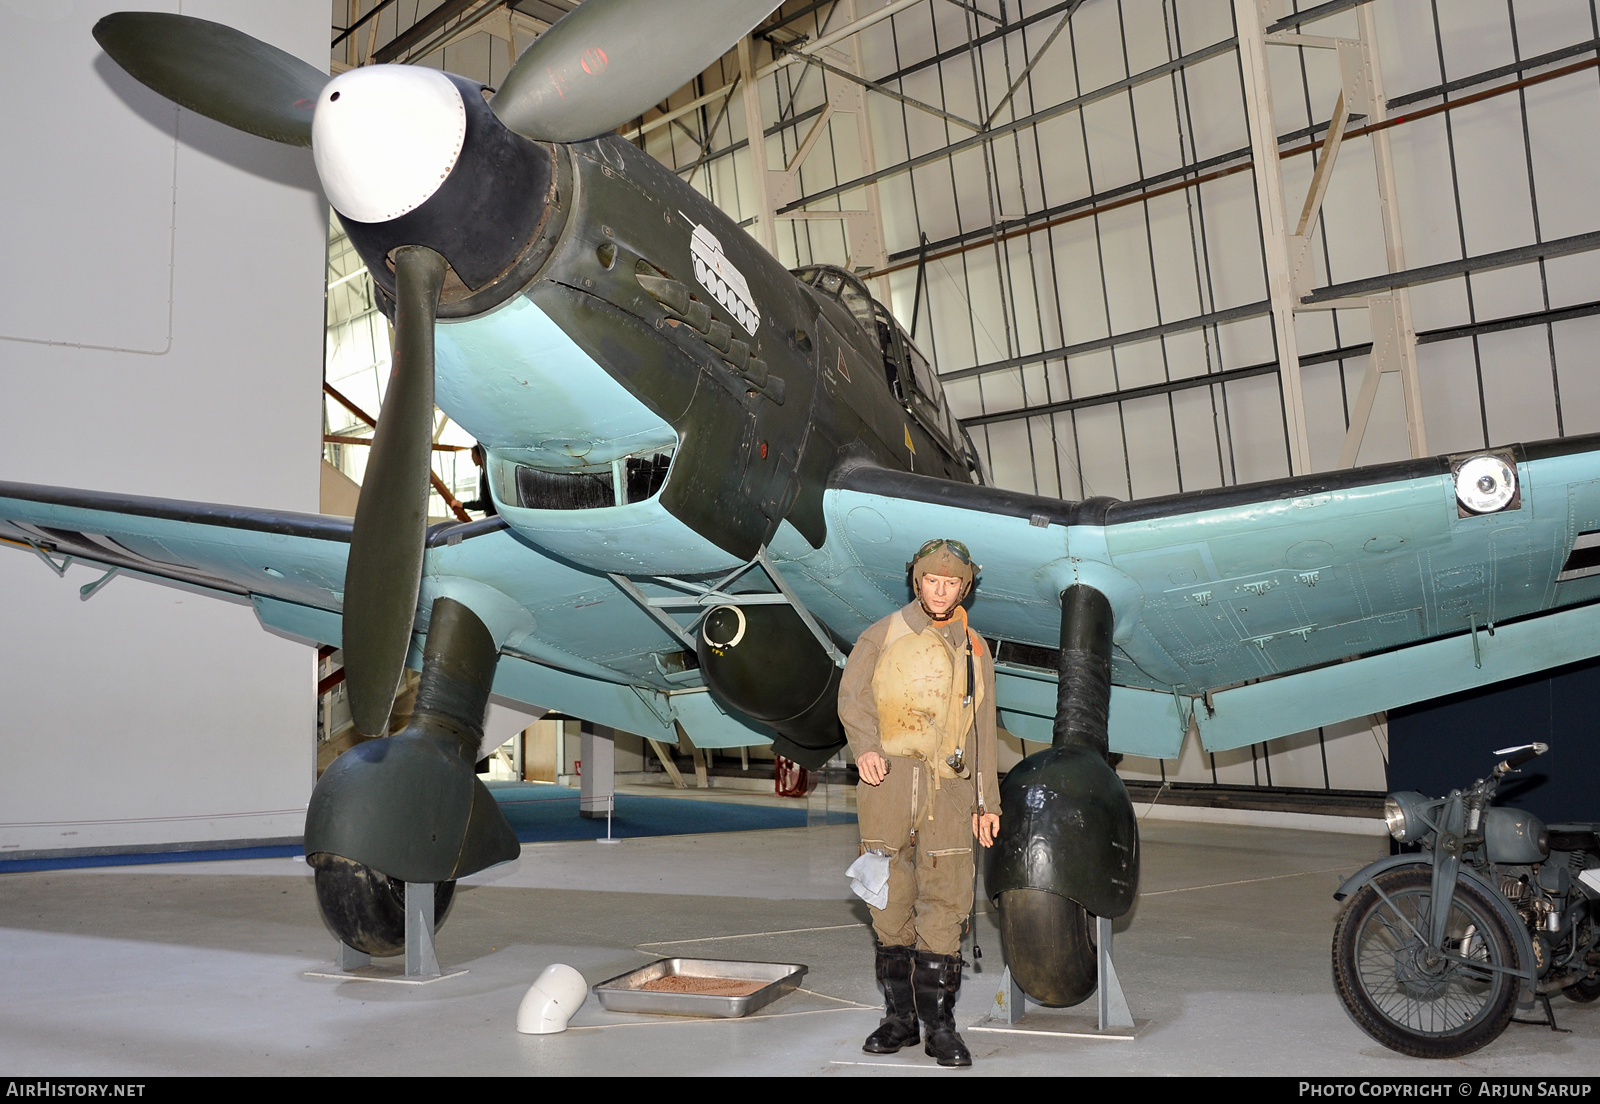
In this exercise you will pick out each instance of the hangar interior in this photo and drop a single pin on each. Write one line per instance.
(1097, 219)
(1059, 202)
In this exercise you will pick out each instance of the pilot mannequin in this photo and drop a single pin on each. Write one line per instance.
(917, 703)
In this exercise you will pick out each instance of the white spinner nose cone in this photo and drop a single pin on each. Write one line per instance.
(385, 138)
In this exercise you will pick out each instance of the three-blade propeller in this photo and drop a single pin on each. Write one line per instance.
(611, 60)
(384, 572)
(603, 64)
(217, 71)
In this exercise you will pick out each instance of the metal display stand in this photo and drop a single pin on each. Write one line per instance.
(1113, 1004)
(610, 809)
(421, 961)
(1114, 1019)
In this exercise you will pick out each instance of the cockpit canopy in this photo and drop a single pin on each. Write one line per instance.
(907, 371)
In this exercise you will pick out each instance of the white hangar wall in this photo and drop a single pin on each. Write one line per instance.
(1081, 254)
(160, 334)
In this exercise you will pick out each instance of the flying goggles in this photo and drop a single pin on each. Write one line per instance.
(955, 546)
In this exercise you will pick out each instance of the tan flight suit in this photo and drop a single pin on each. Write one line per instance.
(902, 696)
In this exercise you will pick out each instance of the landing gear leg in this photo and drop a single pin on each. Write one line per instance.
(1067, 856)
(1083, 689)
(394, 822)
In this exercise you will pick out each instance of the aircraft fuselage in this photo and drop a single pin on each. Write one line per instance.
(633, 321)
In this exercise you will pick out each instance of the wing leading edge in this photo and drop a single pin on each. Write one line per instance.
(234, 550)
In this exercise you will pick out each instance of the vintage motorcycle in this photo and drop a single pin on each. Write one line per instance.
(1520, 920)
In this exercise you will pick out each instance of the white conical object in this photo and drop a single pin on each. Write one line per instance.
(552, 1000)
(385, 137)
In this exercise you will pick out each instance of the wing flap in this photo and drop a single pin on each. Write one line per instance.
(1294, 703)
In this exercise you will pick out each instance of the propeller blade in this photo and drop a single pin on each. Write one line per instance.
(384, 572)
(217, 71)
(610, 60)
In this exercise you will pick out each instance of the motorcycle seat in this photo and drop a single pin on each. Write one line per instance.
(1578, 836)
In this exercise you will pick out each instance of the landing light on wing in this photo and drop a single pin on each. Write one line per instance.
(1485, 484)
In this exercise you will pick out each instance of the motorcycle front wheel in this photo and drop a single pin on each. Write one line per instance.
(1409, 999)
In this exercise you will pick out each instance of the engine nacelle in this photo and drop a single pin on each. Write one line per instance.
(764, 662)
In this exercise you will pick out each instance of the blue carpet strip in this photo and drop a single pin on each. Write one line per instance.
(540, 813)
(537, 813)
(143, 858)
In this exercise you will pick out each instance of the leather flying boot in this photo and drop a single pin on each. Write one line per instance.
(899, 1026)
(936, 980)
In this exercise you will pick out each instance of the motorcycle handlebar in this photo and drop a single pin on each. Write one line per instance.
(1516, 756)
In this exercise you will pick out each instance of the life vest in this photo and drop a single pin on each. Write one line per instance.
(925, 706)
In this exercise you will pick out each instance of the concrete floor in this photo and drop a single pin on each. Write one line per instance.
(202, 968)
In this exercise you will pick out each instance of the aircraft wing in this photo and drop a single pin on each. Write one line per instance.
(1252, 611)
(235, 550)
(574, 642)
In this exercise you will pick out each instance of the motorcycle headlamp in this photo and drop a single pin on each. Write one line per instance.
(1402, 812)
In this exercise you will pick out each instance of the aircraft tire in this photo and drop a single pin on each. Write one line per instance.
(366, 909)
(1049, 944)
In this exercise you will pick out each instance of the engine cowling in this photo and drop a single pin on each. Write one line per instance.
(413, 156)
(764, 662)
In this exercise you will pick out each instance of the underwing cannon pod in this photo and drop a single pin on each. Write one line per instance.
(1068, 846)
(764, 662)
(410, 807)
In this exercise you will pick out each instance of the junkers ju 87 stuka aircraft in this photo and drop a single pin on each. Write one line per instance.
(710, 473)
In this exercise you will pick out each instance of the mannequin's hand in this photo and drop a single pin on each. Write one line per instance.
(873, 768)
(984, 826)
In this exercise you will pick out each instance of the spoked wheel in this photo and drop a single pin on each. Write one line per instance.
(1410, 999)
(366, 909)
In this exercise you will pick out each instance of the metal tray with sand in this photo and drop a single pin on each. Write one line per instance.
(700, 987)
